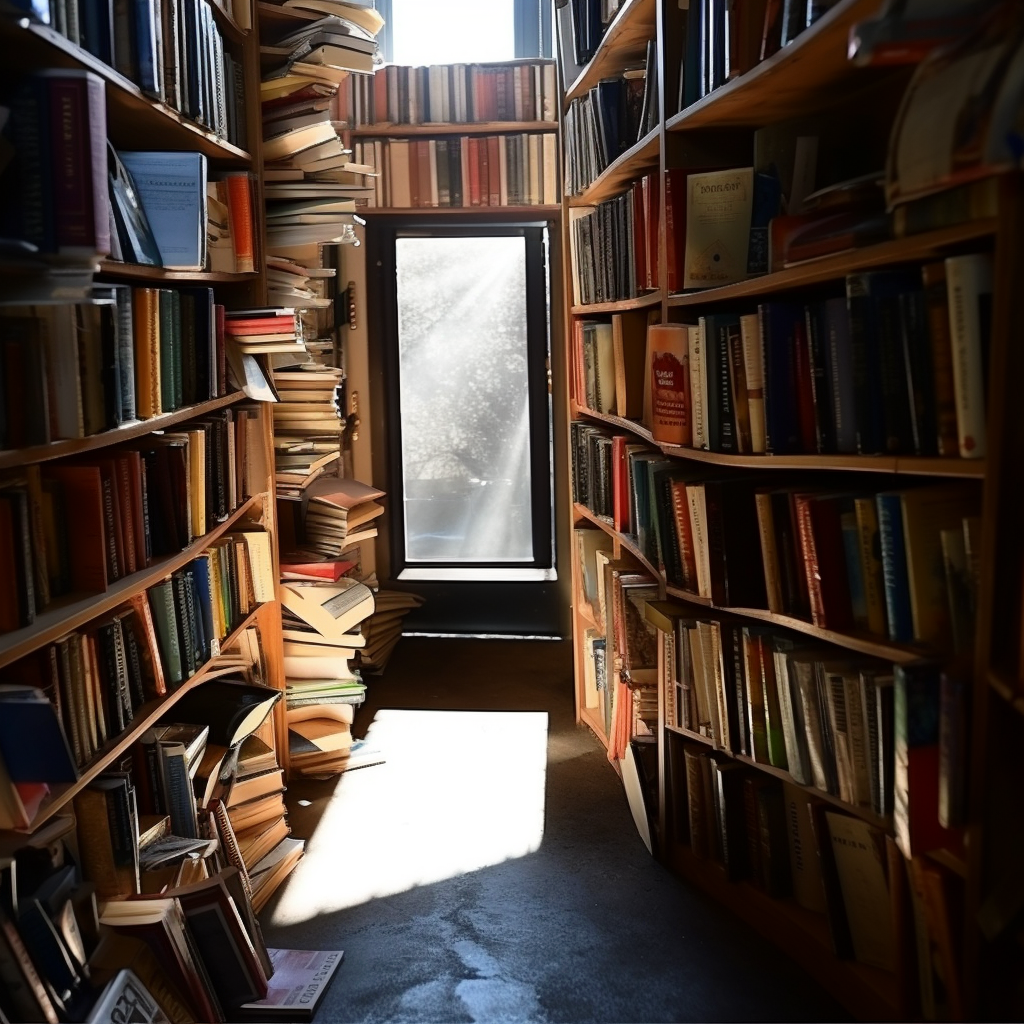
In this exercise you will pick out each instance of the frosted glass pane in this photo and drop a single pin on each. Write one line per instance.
(464, 400)
(449, 32)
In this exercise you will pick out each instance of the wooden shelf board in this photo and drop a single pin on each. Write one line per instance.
(885, 824)
(75, 611)
(641, 157)
(132, 117)
(801, 78)
(624, 40)
(464, 128)
(905, 465)
(687, 734)
(227, 24)
(284, 15)
(913, 248)
(1007, 688)
(137, 272)
(138, 428)
(145, 717)
(620, 305)
(586, 615)
(530, 212)
(869, 993)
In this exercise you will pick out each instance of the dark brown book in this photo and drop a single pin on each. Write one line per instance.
(821, 543)
(83, 497)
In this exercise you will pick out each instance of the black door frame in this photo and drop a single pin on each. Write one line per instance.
(519, 607)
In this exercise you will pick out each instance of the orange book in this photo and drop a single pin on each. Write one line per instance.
(146, 315)
(240, 210)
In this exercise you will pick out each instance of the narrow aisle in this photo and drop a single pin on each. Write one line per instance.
(468, 880)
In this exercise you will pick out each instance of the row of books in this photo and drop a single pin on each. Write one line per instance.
(865, 559)
(614, 245)
(602, 124)
(451, 94)
(76, 370)
(804, 378)
(468, 170)
(722, 42)
(173, 50)
(77, 527)
(790, 845)
(833, 722)
(800, 378)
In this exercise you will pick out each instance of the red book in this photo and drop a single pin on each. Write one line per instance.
(493, 170)
(684, 534)
(620, 484)
(380, 96)
(821, 541)
(474, 170)
(675, 226)
(78, 156)
(331, 570)
(803, 387)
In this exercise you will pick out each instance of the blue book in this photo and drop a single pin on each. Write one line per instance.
(778, 323)
(145, 47)
(839, 358)
(894, 567)
(172, 190)
(32, 742)
(204, 600)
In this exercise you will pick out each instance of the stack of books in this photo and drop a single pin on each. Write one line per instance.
(383, 629)
(339, 515)
(290, 283)
(322, 634)
(307, 426)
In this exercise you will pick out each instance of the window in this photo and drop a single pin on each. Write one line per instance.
(449, 31)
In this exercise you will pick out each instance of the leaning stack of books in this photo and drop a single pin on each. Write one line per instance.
(322, 633)
(383, 629)
(340, 514)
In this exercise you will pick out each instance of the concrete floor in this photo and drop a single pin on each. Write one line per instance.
(585, 926)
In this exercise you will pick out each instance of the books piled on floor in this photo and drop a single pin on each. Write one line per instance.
(383, 629)
(322, 633)
(307, 425)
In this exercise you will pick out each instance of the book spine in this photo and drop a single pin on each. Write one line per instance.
(969, 280)
(934, 277)
(894, 568)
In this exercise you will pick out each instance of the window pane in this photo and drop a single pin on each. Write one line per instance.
(450, 32)
(464, 399)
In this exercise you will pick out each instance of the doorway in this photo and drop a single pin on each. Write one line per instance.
(464, 352)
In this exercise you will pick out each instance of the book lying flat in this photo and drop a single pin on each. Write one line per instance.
(331, 609)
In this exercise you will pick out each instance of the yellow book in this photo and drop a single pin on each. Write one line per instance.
(197, 480)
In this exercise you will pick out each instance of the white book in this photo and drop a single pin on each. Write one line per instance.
(969, 287)
(698, 386)
(753, 369)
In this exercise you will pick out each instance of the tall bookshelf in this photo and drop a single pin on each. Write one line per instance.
(139, 120)
(812, 76)
(374, 127)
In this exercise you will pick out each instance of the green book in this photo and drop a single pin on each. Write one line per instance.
(189, 385)
(161, 604)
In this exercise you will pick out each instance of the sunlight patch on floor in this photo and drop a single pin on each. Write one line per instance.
(460, 791)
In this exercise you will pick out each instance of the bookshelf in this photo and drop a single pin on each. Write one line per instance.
(136, 119)
(795, 90)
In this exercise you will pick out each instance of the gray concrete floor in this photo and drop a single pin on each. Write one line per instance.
(588, 927)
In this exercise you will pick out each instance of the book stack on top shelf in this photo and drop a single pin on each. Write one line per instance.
(137, 517)
(456, 136)
(787, 365)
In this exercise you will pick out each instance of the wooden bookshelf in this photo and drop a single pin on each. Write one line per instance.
(134, 119)
(915, 248)
(619, 306)
(897, 465)
(13, 458)
(401, 131)
(808, 79)
(146, 717)
(138, 272)
(74, 611)
(802, 78)
(138, 120)
(625, 168)
(624, 41)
